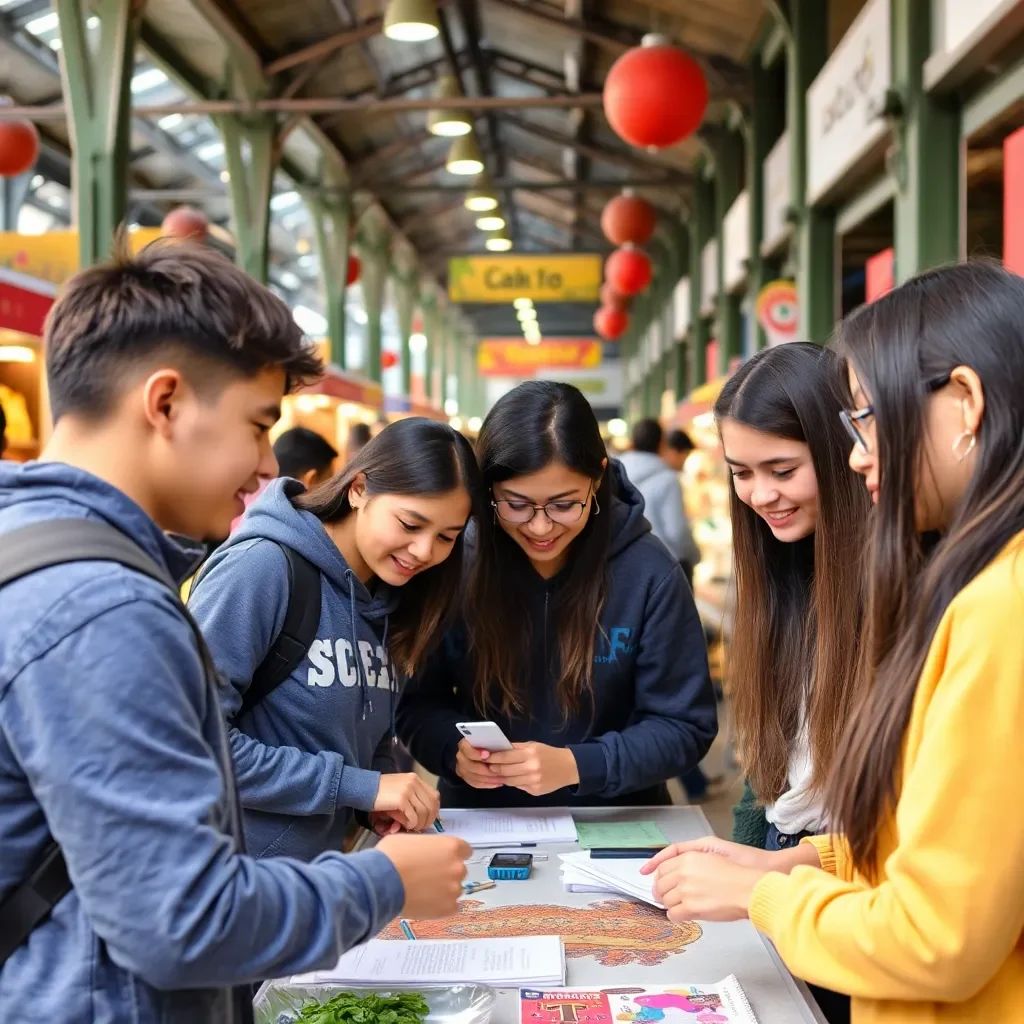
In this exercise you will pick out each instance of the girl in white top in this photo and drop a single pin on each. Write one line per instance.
(797, 512)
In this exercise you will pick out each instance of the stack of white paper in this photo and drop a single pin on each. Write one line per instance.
(502, 963)
(513, 827)
(581, 873)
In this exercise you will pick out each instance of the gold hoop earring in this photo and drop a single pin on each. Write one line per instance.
(970, 447)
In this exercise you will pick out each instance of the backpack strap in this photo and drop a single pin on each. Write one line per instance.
(297, 633)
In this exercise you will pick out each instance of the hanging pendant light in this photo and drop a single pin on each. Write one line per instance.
(411, 21)
(448, 123)
(482, 199)
(465, 157)
(490, 222)
(499, 242)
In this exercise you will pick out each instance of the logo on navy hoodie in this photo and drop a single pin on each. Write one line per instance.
(615, 643)
(336, 660)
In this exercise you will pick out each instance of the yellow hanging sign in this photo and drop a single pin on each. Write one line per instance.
(543, 278)
(53, 256)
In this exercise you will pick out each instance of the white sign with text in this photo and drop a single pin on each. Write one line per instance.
(844, 101)
(736, 235)
(775, 179)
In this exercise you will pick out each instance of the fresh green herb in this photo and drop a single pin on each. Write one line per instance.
(348, 1008)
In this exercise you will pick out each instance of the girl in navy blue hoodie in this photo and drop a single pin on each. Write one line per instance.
(386, 537)
(581, 639)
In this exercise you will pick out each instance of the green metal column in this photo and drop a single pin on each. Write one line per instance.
(814, 230)
(701, 230)
(13, 192)
(97, 89)
(463, 385)
(251, 152)
(763, 128)
(728, 150)
(927, 206)
(431, 328)
(407, 292)
(332, 218)
(375, 249)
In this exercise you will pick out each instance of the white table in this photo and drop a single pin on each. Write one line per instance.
(723, 949)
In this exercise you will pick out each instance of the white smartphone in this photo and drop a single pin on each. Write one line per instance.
(484, 736)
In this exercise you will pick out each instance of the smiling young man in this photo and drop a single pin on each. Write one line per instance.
(125, 894)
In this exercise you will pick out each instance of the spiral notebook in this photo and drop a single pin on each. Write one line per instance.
(722, 1003)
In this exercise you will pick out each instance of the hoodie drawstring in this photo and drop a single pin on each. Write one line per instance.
(392, 680)
(364, 686)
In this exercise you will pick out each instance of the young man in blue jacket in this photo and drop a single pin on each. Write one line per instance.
(166, 373)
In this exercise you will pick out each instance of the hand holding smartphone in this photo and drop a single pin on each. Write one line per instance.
(484, 736)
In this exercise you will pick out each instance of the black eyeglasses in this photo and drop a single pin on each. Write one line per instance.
(565, 513)
(851, 420)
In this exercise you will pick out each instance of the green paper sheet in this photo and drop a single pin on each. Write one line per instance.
(619, 835)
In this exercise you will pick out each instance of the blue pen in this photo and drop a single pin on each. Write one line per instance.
(407, 931)
(438, 827)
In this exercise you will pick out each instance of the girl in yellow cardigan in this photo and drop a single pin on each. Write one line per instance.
(916, 907)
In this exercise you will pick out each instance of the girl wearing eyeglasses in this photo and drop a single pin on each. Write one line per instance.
(916, 906)
(581, 639)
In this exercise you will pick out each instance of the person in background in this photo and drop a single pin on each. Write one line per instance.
(3, 431)
(359, 435)
(659, 486)
(166, 372)
(384, 538)
(915, 905)
(304, 455)
(676, 448)
(301, 454)
(581, 639)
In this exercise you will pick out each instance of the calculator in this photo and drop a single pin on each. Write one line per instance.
(510, 867)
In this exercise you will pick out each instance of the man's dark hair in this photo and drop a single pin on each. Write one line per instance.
(358, 437)
(3, 429)
(173, 300)
(647, 436)
(299, 450)
(679, 440)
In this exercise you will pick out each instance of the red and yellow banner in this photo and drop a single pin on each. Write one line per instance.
(510, 357)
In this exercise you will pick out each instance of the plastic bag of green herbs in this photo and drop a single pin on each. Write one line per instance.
(348, 1008)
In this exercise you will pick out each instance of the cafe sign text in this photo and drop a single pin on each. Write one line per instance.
(503, 278)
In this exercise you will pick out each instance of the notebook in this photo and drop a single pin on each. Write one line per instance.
(513, 827)
(721, 1003)
(580, 873)
(501, 963)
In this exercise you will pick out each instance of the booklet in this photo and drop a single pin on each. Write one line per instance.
(722, 1003)
(501, 963)
(510, 827)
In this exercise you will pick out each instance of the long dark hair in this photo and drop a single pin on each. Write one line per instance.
(535, 424)
(798, 605)
(968, 315)
(411, 456)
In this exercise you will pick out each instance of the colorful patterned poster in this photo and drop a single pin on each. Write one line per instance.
(723, 1003)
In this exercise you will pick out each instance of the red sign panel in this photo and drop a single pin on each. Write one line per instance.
(1013, 202)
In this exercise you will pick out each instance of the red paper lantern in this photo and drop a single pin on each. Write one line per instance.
(610, 324)
(628, 270)
(655, 95)
(611, 299)
(388, 360)
(19, 147)
(628, 218)
(354, 270)
(186, 222)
